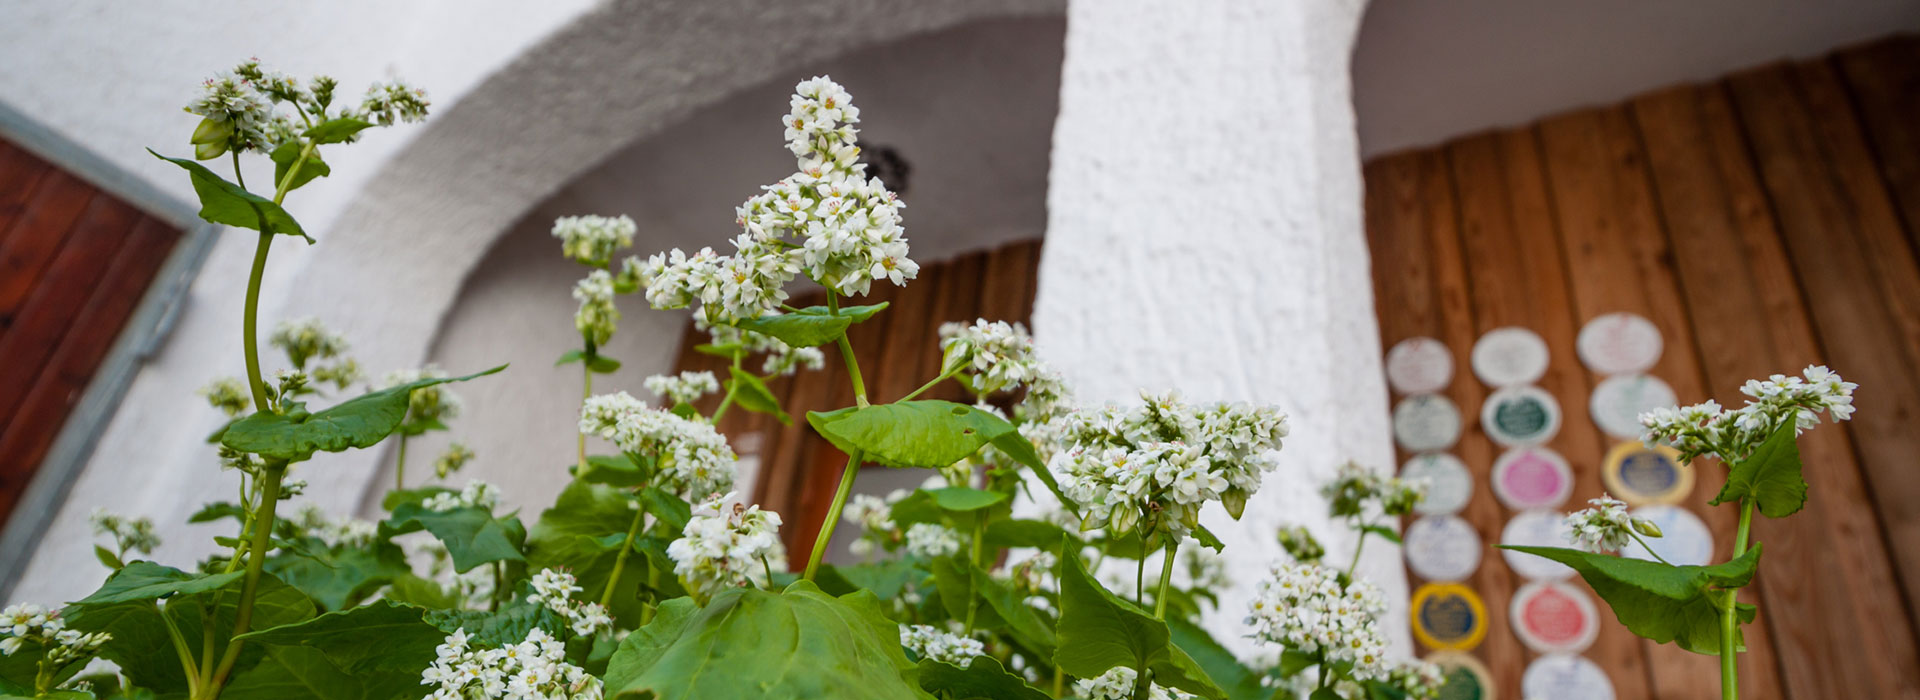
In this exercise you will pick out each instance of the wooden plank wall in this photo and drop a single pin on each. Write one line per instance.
(74, 261)
(1763, 222)
(898, 351)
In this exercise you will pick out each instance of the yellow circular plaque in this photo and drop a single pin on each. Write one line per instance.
(1448, 616)
(1644, 476)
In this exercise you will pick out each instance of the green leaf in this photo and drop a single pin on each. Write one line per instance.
(414, 590)
(726, 351)
(472, 535)
(508, 625)
(615, 470)
(1239, 682)
(1324, 694)
(960, 499)
(1770, 477)
(283, 157)
(340, 577)
(1028, 533)
(1098, 631)
(1207, 538)
(217, 510)
(1658, 601)
(886, 578)
(748, 643)
(596, 362)
(583, 533)
(145, 580)
(673, 513)
(1384, 532)
(358, 422)
(107, 557)
(140, 645)
(984, 678)
(337, 130)
(399, 497)
(382, 636)
(753, 395)
(811, 326)
(223, 202)
(954, 579)
(931, 434)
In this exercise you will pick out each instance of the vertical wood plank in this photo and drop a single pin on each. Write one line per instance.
(46, 313)
(904, 350)
(20, 173)
(34, 239)
(1884, 79)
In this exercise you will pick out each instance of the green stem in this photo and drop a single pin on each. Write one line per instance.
(620, 560)
(1140, 579)
(833, 512)
(1059, 682)
(1358, 545)
(180, 648)
(499, 585)
(929, 385)
(256, 563)
(1648, 547)
(1166, 578)
(1729, 613)
(239, 178)
(733, 389)
(400, 465)
(846, 353)
(586, 368)
(979, 539)
(250, 326)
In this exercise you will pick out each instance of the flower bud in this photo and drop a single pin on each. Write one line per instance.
(211, 132)
(958, 354)
(209, 151)
(1235, 500)
(1646, 527)
(1124, 518)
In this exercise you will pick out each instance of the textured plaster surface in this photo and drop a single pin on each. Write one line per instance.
(1204, 233)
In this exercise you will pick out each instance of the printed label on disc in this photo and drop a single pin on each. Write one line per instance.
(1535, 528)
(1442, 548)
(1449, 484)
(1618, 401)
(1509, 356)
(1644, 476)
(1426, 422)
(1552, 617)
(1532, 477)
(1448, 616)
(1520, 415)
(1684, 538)
(1566, 677)
(1465, 677)
(1618, 344)
(1419, 366)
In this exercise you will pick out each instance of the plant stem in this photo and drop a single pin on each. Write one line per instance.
(846, 353)
(1358, 545)
(1140, 578)
(1166, 578)
(733, 389)
(929, 385)
(400, 465)
(1648, 547)
(250, 326)
(620, 560)
(180, 647)
(499, 584)
(979, 539)
(1059, 681)
(256, 563)
(586, 368)
(1729, 613)
(833, 512)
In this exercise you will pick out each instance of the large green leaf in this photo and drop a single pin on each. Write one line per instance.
(283, 157)
(887, 578)
(748, 643)
(125, 608)
(983, 679)
(380, 637)
(145, 580)
(1661, 602)
(1099, 631)
(340, 577)
(615, 470)
(1027, 533)
(472, 535)
(811, 326)
(1770, 477)
(960, 499)
(337, 130)
(1239, 682)
(223, 202)
(932, 434)
(499, 628)
(583, 533)
(358, 422)
(753, 395)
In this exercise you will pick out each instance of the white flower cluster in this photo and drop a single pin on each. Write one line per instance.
(597, 316)
(694, 459)
(336, 532)
(1733, 435)
(1354, 487)
(1165, 457)
(426, 404)
(390, 102)
(554, 590)
(931, 541)
(1606, 527)
(874, 515)
(1305, 608)
(727, 545)
(129, 534)
(240, 114)
(229, 394)
(1418, 680)
(688, 387)
(995, 356)
(26, 623)
(829, 220)
(477, 494)
(592, 240)
(1117, 684)
(931, 642)
(534, 669)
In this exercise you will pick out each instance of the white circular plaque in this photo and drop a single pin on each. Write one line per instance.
(1419, 366)
(1531, 477)
(1520, 415)
(1536, 528)
(1442, 548)
(1566, 677)
(1684, 538)
(1619, 400)
(1619, 343)
(1426, 422)
(1449, 484)
(1552, 617)
(1509, 356)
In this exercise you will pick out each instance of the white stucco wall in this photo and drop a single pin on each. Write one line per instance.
(1204, 233)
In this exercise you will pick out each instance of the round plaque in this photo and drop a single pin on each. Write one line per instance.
(1618, 344)
(1520, 415)
(1426, 422)
(1642, 475)
(1419, 366)
(1618, 401)
(1535, 528)
(1466, 678)
(1566, 677)
(1509, 356)
(1552, 617)
(1684, 538)
(1449, 484)
(1532, 477)
(1448, 616)
(1442, 548)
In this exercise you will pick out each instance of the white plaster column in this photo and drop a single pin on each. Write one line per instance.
(1204, 233)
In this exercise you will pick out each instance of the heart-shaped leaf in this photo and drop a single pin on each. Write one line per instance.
(984, 677)
(1661, 602)
(753, 395)
(930, 434)
(1098, 631)
(223, 202)
(361, 421)
(1770, 477)
(811, 326)
(472, 535)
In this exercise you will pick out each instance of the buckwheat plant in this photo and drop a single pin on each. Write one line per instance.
(1697, 607)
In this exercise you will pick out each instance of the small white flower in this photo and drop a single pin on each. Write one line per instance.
(1605, 527)
(592, 240)
(597, 316)
(727, 545)
(688, 387)
(1305, 608)
(695, 461)
(933, 643)
(536, 668)
(931, 541)
(1117, 684)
